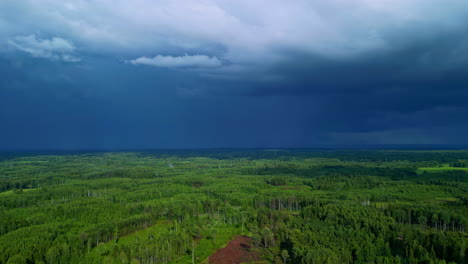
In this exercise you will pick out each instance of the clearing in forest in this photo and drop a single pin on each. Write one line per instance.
(239, 250)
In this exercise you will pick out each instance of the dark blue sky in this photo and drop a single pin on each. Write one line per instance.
(188, 74)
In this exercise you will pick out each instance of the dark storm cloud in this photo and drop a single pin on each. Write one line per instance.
(143, 74)
(383, 91)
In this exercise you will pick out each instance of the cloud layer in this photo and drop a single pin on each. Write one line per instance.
(241, 32)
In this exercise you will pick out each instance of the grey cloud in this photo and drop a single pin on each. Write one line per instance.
(249, 30)
(52, 49)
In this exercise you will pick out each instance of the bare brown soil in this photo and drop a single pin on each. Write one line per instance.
(239, 250)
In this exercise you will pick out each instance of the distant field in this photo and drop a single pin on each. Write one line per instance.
(13, 191)
(439, 169)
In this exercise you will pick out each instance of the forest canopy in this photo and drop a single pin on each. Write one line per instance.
(296, 206)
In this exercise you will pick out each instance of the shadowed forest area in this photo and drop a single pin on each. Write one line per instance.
(285, 206)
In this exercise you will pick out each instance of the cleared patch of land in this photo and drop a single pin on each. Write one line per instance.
(239, 250)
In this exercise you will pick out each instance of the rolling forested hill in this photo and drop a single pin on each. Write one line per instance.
(295, 206)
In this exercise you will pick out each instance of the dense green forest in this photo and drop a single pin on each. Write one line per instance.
(298, 206)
